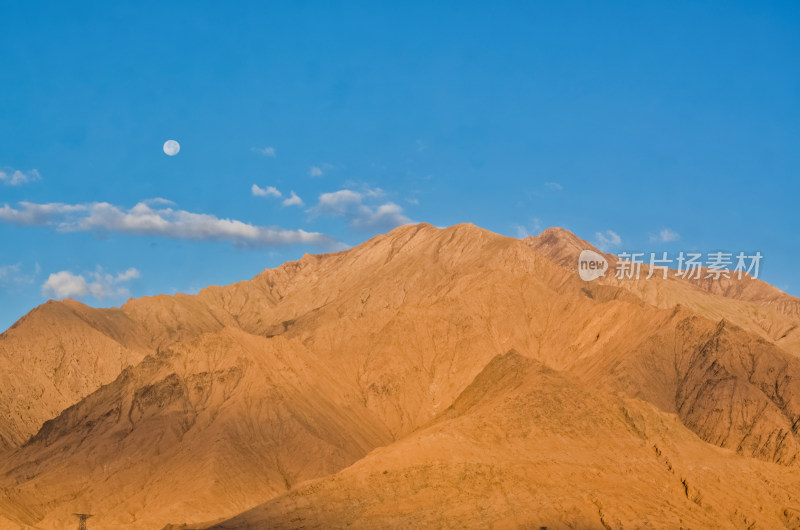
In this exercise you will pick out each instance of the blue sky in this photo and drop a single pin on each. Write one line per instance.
(629, 117)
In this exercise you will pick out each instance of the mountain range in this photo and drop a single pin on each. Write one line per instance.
(425, 378)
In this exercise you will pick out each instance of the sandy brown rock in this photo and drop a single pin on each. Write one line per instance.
(57, 354)
(219, 402)
(525, 447)
(750, 303)
(218, 432)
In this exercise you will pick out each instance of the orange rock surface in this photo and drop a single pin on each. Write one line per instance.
(425, 378)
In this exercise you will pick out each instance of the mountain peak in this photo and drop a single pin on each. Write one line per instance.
(559, 245)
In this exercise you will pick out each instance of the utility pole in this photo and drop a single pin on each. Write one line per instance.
(82, 517)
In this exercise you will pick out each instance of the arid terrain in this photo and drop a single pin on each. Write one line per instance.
(425, 378)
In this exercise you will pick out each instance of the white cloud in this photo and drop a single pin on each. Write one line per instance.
(159, 200)
(293, 200)
(14, 275)
(534, 227)
(269, 191)
(350, 205)
(15, 177)
(39, 214)
(9, 271)
(665, 236)
(266, 151)
(65, 284)
(607, 239)
(319, 169)
(152, 220)
(554, 186)
(386, 215)
(130, 274)
(337, 203)
(374, 193)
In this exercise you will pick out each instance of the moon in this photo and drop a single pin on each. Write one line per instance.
(171, 147)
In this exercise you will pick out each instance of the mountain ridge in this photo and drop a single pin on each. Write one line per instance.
(540, 442)
(338, 355)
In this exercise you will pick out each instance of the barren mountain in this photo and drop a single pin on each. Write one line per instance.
(57, 354)
(525, 446)
(176, 409)
(750, 303)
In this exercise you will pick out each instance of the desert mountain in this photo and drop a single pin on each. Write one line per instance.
(177, 409)
(750, 303)
(57, 354)
(525, 446)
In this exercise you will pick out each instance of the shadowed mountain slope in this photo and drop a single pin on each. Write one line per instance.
(57, 354)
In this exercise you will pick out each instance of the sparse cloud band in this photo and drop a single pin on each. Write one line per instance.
(665, 236)
(65, 284)
(269, 191)
(156, 219)
(15, 177)
(293, 200)
(266, 151)
(607, 239)
(352, 206)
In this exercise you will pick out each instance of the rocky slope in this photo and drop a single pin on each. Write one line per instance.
(528, 447)
(57, 354)
(748, 302)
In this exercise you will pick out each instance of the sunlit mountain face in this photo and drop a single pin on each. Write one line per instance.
(443, 367)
